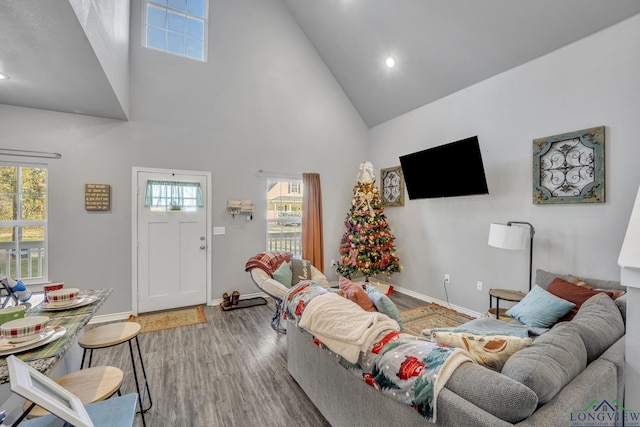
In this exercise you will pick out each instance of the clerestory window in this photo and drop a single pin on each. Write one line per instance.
(177, 26)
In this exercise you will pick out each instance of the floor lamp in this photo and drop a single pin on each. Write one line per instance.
(508, 236)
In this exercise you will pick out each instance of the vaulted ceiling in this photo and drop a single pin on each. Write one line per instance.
(439, 46)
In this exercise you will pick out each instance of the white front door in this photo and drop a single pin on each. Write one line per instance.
(172, 241)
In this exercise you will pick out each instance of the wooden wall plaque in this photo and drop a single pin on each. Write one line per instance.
(97, 197)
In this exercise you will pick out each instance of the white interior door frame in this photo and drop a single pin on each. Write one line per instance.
(134, 228)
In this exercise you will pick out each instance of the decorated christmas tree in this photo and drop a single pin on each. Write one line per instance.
(367, 245)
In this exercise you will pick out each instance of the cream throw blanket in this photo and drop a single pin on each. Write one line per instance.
(343, 326)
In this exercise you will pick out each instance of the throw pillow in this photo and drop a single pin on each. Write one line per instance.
(614, 293)
(572, 293)
(540, 308)
(489, 350)
(355, 293)
(301, 270)
(283, 274)
(384, 304)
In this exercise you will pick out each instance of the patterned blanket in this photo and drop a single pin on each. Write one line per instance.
(405, 367)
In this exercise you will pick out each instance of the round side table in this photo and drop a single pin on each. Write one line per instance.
(503, 294)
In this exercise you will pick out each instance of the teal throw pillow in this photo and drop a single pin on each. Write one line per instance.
(283, 274)
(540, 308)
(384, 304)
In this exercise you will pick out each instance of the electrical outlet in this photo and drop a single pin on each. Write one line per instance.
(447, 279)
(479, 285)
(333, 263)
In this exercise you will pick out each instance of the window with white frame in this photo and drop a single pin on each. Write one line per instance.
(23, 222)
(177, 26)
(284, 215)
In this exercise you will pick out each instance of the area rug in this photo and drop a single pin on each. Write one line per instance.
(160, 320)
(415, 320)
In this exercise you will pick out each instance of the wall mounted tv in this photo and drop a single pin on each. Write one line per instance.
(449, 170)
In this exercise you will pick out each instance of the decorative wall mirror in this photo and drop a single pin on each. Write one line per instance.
(569, 168)
(392, 186)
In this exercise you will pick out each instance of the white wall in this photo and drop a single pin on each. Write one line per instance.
(107, 29)
(264, 100)
(587, 84)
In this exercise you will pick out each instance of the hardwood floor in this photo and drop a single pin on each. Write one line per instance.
(230, 371)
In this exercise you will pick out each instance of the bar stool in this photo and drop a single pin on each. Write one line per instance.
(111, 335)
(90, 385)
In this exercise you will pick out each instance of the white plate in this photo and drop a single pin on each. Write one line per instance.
(51, 334)
(82, 301)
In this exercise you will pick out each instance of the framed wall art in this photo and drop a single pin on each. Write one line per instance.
(392, 186)
(569, 168)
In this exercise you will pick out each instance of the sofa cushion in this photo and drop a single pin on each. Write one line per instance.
(283, 274)
(300, 270)
(550, 363)
(599, 324)
(493, 392)
(384, 304)
(540, 308)
(622, 306)
(544, 278)
(355, 293)
(573, 293)
(597, 283)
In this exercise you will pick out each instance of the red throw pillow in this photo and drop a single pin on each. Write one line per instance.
(355, 293)
(572, 293)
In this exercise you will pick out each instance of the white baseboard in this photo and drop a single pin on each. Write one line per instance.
(110, 317)
(125, 315)
(434, 300)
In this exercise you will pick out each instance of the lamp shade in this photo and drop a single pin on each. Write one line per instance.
(505, 236)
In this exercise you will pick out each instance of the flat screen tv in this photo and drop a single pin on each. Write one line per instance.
(449, 170)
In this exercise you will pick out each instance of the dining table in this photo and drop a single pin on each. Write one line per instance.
(66, 323)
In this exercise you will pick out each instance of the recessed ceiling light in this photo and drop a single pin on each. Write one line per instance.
(390, 62)
(4, 77)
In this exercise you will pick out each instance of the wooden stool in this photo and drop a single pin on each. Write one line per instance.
(90, 385)
(112, 335)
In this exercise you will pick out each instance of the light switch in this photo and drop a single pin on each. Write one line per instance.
(218, 231)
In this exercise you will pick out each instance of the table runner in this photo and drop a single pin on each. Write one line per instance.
(100, 294)
(44, 358)
(52, 349)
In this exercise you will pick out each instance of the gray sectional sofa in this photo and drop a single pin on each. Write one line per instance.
(552, 382)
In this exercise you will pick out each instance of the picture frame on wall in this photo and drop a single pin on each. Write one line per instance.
(569, 168)
(392, 186)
